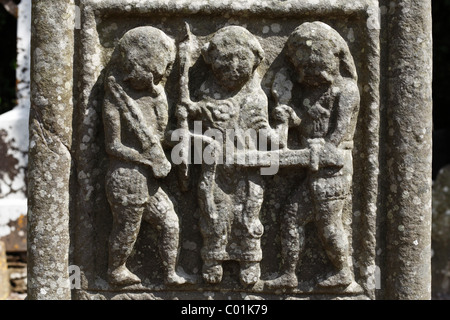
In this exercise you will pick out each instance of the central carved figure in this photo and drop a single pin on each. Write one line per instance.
(230, 199)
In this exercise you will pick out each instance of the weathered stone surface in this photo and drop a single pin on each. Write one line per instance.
(130, 163)
(408, 154)
(50, 142)
(441, 235)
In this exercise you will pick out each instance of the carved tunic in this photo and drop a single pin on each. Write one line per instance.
(232, 230)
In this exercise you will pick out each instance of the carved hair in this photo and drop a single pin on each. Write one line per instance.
(231, 37)
(143, 40)
(325, 38)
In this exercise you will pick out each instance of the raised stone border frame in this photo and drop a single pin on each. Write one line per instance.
(397, 193)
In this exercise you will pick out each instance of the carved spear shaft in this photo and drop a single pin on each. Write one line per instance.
(133, 116)
(185, 64)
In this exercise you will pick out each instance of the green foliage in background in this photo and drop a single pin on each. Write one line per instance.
(441, 84)
(8, 30)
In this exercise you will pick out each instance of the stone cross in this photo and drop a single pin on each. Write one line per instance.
(260, 149)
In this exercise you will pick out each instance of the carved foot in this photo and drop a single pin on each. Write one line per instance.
(341, 279)
(250, 272)
(287, 280)
(175, 279)
(121, 276)
(212, 272)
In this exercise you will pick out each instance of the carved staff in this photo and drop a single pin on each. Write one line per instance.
(133, 116)
(185, 53)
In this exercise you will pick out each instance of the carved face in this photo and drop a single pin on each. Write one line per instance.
(319, 54)
(315, 65)
(232, 68)
(233, 53)
(146, 57)
(144, 70)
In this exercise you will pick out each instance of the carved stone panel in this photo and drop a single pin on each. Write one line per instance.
(227, 150)
(149, 223)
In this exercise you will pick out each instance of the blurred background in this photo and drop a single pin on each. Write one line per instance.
(441, 150)
(14, 105)
(8, 52)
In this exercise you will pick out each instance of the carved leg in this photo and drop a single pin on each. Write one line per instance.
(297, 213)
(214, 225)
(294, 217)
(215, 239)
(160, 212)
(250, 232)
(335, 242)
(292, 241)
(126, 224)
(214, 249)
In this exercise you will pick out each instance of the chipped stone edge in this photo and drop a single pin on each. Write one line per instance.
(275, 7)
(407, 166)
(50, 143)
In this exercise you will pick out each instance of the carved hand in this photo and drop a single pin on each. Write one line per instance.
(315, 148)
(324, 154)
(161, 168)
(185, 109)
(285, 114)
(112, 84)
(117, 89)
(318, 112)
(156, 90)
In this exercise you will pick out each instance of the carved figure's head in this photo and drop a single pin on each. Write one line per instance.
(319, 54)
(234, 54)
(146, 55)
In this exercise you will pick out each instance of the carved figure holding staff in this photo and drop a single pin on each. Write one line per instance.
(135, 115)
(230, 199)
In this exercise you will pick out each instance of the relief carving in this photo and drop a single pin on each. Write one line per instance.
(323, 67)
(230, 196)
(230, 100)
(135, 118)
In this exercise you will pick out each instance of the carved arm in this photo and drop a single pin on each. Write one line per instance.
(153, 154)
